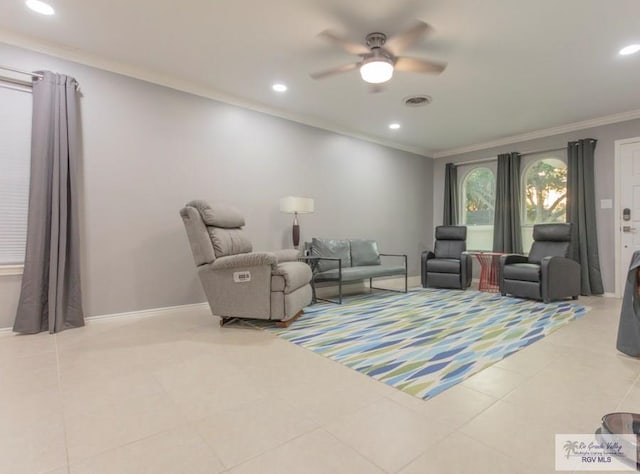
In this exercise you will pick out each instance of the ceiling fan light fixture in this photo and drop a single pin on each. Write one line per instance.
(631, 49)
(376, 70)
(40, 7)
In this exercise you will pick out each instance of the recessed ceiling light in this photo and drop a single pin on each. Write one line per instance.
(631, 49)
(279, 87)
(417, 100)
(394, 126)
(40, 7)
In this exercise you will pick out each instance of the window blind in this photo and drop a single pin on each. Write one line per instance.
(15, 151)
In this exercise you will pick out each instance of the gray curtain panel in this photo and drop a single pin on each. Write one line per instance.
(450, 212)
(50, 297)
(581, 212)
(507, 233)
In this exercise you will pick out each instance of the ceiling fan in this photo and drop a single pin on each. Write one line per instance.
(380, 57)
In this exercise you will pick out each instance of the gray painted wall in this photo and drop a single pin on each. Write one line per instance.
(150, 149)
(604, 173)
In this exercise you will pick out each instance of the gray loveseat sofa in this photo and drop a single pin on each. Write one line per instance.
(349, 260)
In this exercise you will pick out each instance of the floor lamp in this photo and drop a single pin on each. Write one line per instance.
(296, 205)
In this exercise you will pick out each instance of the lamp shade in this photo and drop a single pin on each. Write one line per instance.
(376, 70)
(293, 204)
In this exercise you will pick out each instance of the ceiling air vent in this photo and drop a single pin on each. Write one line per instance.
(417, 100)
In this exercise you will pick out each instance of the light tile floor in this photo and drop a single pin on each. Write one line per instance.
(182, 395)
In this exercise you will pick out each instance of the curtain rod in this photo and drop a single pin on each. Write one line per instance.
(547, 150)
(20, 71)
(473, 162)
(18, 82)
(27, 73)
(490, 160)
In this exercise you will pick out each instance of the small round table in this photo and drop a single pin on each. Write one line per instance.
(489, 270)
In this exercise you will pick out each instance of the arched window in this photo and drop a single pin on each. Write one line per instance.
(544, 197)
(478, 199)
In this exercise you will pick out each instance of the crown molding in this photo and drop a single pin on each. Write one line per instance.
(545, 132)
(189, 87)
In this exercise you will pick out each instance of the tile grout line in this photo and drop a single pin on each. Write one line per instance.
(489, 447)
(440, 441)
(64, 418)
(353, 448)
(186, 423)
(266, 451)
(629, 390)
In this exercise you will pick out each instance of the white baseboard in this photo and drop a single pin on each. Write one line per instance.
(197, 308)
(153, 312)
(203, 308)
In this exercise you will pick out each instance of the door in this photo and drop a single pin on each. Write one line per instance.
(628, 219)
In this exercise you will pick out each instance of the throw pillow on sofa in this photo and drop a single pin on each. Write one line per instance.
(364, 252)
(334, 248)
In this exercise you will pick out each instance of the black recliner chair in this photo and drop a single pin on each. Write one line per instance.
(547, 273)
(447, 266)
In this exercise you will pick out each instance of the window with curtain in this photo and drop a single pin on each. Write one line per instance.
(478, 195)
(544, 188)
(15, 150)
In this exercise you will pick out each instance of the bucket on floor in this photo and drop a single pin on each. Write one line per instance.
(616, 424)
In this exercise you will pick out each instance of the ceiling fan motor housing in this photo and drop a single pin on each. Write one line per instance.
(376, 40)
(377, 66)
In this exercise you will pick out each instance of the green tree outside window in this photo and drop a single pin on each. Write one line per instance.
(479, 197)
(545, 191)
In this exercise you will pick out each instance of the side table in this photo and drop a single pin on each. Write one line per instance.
(489, 270)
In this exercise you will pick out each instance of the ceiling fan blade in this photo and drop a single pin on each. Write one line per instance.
(349, 46)
(334, 70)
(419, 65)
(398, 43)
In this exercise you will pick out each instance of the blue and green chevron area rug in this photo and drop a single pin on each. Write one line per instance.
(427, 340)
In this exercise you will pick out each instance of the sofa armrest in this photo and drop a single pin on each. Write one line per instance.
(313, 261)
(286, 255)
(401, 255)
(512, 258)
(559, 264)
(560, 277)
(466, 269)
(392, 255)
(314, 258)
(426, 255)
(244, 260)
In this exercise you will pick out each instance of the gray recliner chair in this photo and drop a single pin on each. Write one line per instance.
(240, 283)
(547, 273)
(448, 266)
